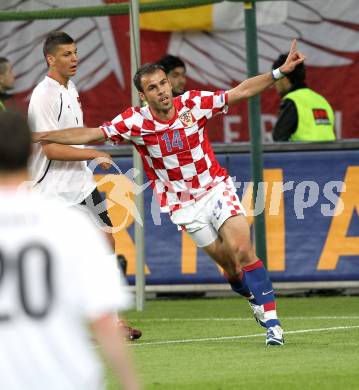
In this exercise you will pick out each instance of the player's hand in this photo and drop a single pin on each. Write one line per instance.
(105, 160)
(294, 58)
(36, 136)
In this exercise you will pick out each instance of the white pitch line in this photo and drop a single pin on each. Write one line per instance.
(245, 319)
(166, 342)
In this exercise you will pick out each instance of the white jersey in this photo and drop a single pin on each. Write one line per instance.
(52, 107)
(55, 275)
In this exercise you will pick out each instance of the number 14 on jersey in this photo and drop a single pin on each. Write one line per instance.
(173, 141)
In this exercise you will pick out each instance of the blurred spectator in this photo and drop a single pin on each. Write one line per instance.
(175, 69)
(304, 114)
(7, 81)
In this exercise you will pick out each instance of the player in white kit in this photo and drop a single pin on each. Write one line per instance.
(53, 282)
(60, 171)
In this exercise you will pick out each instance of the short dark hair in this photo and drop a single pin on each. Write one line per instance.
(53, 39)
(169, 62)
(297, 77)
(145, 69)
(3, 62)
(15, 141)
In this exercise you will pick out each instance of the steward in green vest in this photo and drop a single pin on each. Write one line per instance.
(304, 114)
(7, 81)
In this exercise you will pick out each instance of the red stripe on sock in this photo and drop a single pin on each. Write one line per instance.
(251, 267)
(269, 306)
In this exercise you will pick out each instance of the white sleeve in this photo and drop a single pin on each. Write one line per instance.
(102, 288)
(43, 112)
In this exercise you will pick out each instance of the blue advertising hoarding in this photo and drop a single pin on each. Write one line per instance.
(312, 223)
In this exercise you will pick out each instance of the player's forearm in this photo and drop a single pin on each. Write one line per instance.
(111, 341)
(73, 136)
(258, 84)
(249, 88)
(69, 153)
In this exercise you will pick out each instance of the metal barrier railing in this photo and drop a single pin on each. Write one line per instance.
(109, 9)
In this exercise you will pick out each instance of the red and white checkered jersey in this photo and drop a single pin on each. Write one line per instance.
(177, 155)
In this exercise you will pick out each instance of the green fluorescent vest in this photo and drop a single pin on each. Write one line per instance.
(315, 116)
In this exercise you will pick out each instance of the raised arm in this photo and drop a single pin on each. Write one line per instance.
(73, 136)
(258, 84)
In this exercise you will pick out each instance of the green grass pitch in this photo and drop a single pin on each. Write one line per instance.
(215, 344)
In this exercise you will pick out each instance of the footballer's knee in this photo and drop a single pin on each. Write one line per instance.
(242, 254)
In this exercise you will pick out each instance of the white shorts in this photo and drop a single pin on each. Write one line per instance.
(202, 219)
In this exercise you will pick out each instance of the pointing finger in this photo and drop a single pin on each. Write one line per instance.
(293, 46)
